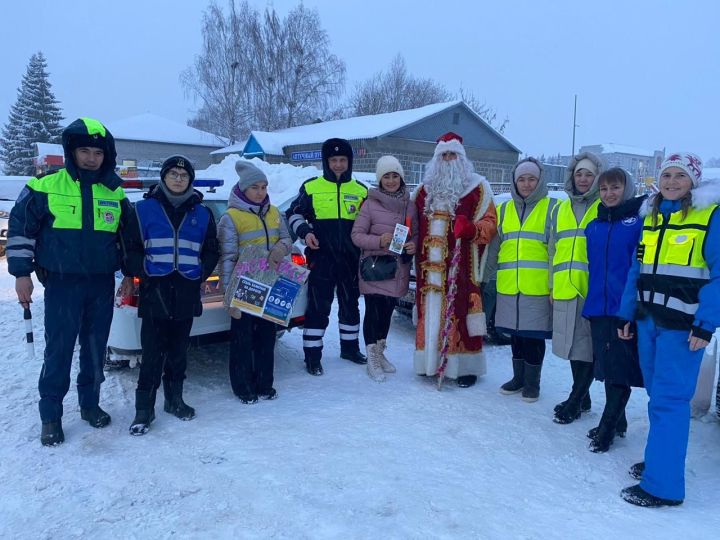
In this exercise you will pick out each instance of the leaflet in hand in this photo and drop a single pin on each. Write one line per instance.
(399, 237)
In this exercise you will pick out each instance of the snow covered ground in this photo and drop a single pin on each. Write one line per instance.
(337, 456)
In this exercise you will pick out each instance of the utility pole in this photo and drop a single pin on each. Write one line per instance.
(574, 124)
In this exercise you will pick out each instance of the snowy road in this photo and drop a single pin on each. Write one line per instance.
(337, 456)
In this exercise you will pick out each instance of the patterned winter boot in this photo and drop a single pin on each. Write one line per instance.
(384, 362)
(374, 365)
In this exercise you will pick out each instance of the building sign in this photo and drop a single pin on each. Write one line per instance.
(308, 155)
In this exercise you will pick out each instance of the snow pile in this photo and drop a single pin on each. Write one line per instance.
(11, 186)
(284, 180)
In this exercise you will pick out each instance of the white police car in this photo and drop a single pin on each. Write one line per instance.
(124, 342)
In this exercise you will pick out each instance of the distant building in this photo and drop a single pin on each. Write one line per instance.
(147, 139)
(639, 162)
(408, 135)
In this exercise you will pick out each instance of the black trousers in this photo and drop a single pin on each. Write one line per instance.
(252, 355)
(378, 315)
(165, 344)
(75, 307)
(532, 350)
(326, 275)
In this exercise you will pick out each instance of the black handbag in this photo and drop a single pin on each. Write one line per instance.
(378, 267)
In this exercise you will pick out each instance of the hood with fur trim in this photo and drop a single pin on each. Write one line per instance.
(569, 187)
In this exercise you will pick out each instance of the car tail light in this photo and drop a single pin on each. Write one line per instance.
(131, 300)
(298, 259)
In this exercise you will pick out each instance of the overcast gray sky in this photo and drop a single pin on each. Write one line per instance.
(645, 72)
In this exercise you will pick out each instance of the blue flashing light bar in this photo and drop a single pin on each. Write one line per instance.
(145, 183)
(208, 182)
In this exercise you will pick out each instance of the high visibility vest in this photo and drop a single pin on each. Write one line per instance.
(253, 229)
(673, 268)
(168, 250)
(570, 263)
(65, 202)
(523, 257)
(333, 200)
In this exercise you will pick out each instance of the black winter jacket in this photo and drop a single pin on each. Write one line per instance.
(172, 296)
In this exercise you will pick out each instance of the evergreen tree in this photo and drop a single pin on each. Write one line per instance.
(35, 117)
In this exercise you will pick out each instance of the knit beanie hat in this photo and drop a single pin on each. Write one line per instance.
(248, 175)
(388, 164)
(450, 142)
(180, 162)
(690, 163)
(527, 167)
(588, 164)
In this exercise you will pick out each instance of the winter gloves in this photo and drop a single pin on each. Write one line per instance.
(464, 228)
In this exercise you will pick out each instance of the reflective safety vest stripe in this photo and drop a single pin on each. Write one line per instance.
(66, 205)
(523, 256)
(167, 250)
(335, 201)
(570, 263)
(673, 268)
(253, 229)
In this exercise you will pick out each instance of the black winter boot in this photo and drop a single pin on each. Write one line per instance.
(637, 470)
(466, 381)
(351, 352)
(616, 398)
(586, 403)
(144, 412)
(639, 497)
(531, 390)
(583, 375)
(174, 403)
(52, 433)
(515, 385)
(95, 416)
(312, 361)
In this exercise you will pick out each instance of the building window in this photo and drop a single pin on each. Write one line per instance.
(456, 119)
(417, 171)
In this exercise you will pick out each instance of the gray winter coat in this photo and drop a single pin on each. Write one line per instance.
(379, 214)
(228, 236)
(571, 332)
(523, 315)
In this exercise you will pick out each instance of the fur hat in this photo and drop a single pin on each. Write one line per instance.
(177, 161)
(336, 147)
(388, 164)
(690, 163)
(248, 175)
(450, 142)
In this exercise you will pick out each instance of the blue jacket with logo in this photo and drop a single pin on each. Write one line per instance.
(612, 240)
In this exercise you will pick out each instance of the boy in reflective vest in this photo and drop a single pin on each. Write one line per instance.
(323, 215)
(673, 295)
(251, 220)
(64, 227)
(171, 245)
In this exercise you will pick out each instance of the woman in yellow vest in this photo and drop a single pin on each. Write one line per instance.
(569, 280)
(520, 249)
(251, 219)
(673, 294)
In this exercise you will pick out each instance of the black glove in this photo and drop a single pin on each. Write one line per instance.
(303, 229)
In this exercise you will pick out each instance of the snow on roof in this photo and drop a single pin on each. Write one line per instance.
(612, 148)
(49, 149)
(154, 128)
(359, 127)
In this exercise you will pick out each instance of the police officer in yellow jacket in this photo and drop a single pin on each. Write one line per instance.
(323, 215)
(64, 227)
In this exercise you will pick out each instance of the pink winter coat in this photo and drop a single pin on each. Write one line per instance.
(379, 214)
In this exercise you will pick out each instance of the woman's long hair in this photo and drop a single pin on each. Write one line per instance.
(685, 204)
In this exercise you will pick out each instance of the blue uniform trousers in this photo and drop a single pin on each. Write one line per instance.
(670, 371)
(75, 305)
